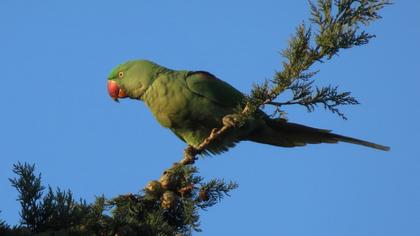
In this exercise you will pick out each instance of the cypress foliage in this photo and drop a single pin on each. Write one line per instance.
(3, 226)
(168, 206)
(333, 27)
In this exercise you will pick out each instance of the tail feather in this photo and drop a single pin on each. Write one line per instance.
(359, 142)
(279, 132)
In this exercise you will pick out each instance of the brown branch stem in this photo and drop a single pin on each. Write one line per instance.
(279, 104)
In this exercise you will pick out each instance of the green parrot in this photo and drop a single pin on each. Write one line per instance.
(192, 103)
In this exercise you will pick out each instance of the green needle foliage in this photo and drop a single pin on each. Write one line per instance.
(333, 27)
(3, 226)
(168, 206)
(171, 205)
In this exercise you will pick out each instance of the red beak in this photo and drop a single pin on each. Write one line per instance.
(115, 91)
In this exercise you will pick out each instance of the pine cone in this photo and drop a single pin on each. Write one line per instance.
(168, 181)
(168, 199)
(203, 195)
(154, 188)
(186, 191)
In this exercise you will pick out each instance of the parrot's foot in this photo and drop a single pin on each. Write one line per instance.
(230, 120)
(189, 155)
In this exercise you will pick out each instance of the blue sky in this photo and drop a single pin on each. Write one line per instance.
(55, 112)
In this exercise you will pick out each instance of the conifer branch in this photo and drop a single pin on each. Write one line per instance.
(328, 97)
(168, 206)
(214, 191)
(334, 32)
(30, 192)
(3, 227)
(337, 26)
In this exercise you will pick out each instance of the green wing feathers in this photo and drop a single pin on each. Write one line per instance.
(279, 132)
(207, 85)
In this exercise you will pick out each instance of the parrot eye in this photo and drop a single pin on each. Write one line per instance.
(120, 74)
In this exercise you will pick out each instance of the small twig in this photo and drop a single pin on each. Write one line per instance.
(279, 104)
(191, 152)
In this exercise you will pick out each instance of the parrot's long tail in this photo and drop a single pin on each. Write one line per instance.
(279, 132)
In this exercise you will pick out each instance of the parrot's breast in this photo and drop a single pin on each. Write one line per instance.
(190, 116)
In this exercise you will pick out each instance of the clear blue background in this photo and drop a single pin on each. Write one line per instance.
(55, 111)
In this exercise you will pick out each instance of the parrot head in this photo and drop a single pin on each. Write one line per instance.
(132, 79)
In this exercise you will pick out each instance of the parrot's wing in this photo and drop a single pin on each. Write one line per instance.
(207, 85)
